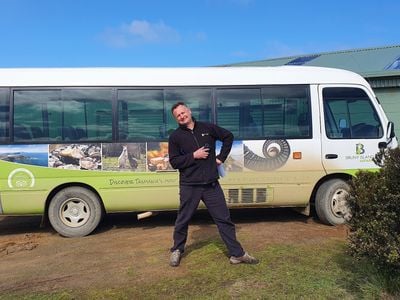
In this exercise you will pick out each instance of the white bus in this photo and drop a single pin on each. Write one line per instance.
(76, 143)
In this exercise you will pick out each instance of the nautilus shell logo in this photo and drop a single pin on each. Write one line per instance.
(276, 153)
(21, 178)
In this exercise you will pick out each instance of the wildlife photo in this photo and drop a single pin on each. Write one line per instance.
(124, 157)
(75, 156)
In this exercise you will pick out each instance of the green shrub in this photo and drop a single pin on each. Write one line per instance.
(375, 206)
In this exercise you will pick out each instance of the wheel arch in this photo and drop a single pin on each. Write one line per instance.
(53, 192)
(343, 176)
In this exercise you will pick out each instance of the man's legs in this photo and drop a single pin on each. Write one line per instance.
(189, 201)
(214, 199)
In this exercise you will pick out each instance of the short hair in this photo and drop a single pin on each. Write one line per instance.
(176, 105)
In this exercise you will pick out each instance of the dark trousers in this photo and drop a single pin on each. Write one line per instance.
(214, 199)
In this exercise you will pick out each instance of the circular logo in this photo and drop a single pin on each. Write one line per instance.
(21, 178)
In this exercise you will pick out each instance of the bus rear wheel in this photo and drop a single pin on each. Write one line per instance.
(75, 212)
(331, 202)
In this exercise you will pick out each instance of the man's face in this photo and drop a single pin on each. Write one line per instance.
(183, 115)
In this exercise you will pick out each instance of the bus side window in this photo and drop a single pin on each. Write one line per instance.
(140, 113)
(304, 124)
(37, 132)
(269, 112)
(349, 114)
(69, 133)
(87, 114)
(21, 133)
(286, 111)
(344, 128)
(239, 110)
(251, 128)
(4, 115)
(68, 115)
(33, 110)
(81, 133)
(198, 99)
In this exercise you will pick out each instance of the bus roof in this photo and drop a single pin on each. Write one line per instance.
(153, 77)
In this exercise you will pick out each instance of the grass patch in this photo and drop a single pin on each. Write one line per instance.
(308, 271)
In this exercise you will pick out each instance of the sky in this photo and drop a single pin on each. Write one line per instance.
(173, 33)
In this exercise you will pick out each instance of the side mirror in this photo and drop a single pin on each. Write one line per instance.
(389, 136)
(382, 145)
(390, 131)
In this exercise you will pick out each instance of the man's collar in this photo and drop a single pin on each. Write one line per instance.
(186, 128)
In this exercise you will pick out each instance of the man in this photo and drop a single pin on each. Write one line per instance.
(191, 149)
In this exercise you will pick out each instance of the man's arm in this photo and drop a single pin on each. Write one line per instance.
(226, 137)
(177, 159)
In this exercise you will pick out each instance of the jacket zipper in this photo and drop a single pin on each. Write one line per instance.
(198, 146)
(195, 139)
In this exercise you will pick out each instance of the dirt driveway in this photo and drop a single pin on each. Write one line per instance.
(38, 259)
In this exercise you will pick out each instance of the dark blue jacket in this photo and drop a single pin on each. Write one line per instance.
(183, 142)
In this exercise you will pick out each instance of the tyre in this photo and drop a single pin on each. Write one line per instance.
(75, 212)
(331, 202)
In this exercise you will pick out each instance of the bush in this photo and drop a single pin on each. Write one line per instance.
(375, 207)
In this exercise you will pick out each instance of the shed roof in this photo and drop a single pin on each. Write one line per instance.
(368, 62)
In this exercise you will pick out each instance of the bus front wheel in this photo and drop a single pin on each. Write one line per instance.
(331, 202)
(75, 211)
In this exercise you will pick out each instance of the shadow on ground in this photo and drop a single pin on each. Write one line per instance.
(33, 224)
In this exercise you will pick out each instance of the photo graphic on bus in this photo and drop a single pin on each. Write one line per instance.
(75, 156)
(25, 154)
(124, 157)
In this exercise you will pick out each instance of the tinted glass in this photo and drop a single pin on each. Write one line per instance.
(278, 111)
(62, 115)
(4, 115)
(349, 114)
(286, 112)
(238, 110)
(87, 114)
(199, 101)
(140, 115)
(37, 115)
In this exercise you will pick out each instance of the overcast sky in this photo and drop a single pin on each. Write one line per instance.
(95, 33)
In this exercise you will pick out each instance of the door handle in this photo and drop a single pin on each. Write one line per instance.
(331, 156)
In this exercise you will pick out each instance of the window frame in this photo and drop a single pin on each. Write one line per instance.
(307, 88)
(61, 141)
(115, 117)
(331, 114)
(7, 122)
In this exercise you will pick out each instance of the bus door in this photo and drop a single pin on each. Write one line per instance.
(351, 128)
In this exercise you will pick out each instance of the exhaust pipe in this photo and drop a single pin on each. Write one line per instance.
(146, 214)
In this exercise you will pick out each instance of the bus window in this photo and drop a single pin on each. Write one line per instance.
(279, 111)
(4, 114)
(87, 114)
(62, 115)
(140, 115)
(37, 115)
(199, 101)
(350, 114)
(238, 110)
(286, 111)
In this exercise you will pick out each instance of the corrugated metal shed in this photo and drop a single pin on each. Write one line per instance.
(380, 66)
(369, 62)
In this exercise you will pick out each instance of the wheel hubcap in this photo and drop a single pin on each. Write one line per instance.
(339, 204)
(74, 212)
